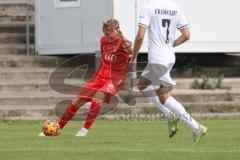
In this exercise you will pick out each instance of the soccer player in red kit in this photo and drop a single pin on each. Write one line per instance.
(109, 79)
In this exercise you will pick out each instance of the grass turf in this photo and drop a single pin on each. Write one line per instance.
(115, 140)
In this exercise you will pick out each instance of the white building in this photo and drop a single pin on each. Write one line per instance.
(74, 26)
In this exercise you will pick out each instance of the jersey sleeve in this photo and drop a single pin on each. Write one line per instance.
(144, 17)
(182, 21)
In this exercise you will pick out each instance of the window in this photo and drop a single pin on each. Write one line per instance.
(67, 3)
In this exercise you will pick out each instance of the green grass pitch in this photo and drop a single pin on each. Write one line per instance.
(119, 140)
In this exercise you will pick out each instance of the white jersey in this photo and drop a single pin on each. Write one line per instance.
(162, 18)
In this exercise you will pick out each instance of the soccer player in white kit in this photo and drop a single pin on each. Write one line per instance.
(162, 18)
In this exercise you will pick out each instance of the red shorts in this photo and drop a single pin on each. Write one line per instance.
(100, 84)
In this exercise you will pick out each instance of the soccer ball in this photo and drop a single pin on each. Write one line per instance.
(51, 128)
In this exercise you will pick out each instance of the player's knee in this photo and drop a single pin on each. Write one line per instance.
(163, 98)
(164, 93)
(99, 97)
(141, 87)
(143, 83)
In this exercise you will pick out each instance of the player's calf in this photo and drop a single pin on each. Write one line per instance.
(70, 111)
(94, 109)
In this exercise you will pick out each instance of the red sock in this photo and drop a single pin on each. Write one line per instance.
(67, 115)
(92, 114)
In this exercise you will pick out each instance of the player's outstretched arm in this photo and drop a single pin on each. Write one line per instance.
(183, 38)
(138, 42)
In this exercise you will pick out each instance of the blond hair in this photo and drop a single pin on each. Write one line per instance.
(111, 23)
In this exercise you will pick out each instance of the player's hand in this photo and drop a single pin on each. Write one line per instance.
(126, 44)
(132, 60)
(131, 66)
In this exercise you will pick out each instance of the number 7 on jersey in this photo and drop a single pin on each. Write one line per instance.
(166, 23)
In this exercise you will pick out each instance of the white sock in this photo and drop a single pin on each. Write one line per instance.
(150, 93)
(180, 111)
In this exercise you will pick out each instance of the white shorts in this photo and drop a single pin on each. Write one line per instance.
(159, 75)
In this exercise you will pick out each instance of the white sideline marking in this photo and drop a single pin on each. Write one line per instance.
(128, 150)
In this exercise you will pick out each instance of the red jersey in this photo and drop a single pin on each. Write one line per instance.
(111, 73)
(114, 59)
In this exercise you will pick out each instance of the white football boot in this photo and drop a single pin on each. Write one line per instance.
(41, 134)
(82, 133)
